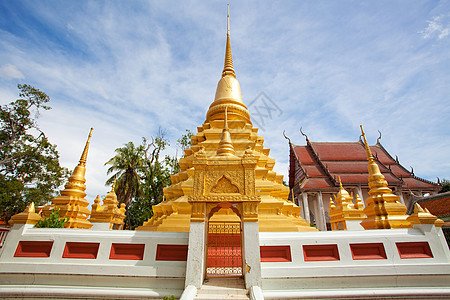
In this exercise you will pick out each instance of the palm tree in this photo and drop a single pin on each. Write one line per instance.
(127, 165)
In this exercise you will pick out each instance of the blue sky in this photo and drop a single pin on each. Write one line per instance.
(127, 68)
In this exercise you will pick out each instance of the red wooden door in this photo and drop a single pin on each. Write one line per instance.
(224, 250)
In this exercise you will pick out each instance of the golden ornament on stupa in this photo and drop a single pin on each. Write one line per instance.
(227, 174)
(109, 212)
(28, 216)
(344, 210)
(383, 209)
(71, 202)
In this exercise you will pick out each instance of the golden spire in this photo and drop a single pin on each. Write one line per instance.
(86, 148)
(71, 202)
(383, 209)
(228, 65)
(80, 169)
(228, 92)
(377, 182)
(225, 145)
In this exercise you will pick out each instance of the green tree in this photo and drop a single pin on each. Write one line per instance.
(53, 221)
(153, 174)
(29, 163)
(445, 186)
(127, 165)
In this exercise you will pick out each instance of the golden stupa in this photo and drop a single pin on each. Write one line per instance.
(383, 210)
(345, 210)
(227, 174)
(71, 202)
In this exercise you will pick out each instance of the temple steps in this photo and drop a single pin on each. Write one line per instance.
(222, 288)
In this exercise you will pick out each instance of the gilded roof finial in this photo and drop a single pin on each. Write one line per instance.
(228, 65)
(366, 145)
(225, 145)
(86, 148)
(113, 185)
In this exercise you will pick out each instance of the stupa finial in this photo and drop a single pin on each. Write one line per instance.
(366, 145)
(228, 68)
(86, 148)
(226, 145)
(228, 92)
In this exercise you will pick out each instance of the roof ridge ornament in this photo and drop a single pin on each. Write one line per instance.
(379, 138)
(307, 140)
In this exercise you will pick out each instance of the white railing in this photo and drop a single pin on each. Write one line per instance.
(3, 234)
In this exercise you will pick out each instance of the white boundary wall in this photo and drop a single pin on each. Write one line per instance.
(418, 278)
(102, 277)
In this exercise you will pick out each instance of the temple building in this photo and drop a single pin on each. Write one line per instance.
(314, 170)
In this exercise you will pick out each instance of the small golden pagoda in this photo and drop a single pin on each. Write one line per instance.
(28, 216)
(109, 212)
(383, 210)
(71, 202)
(228, 166)
(345, 210)
(423, 216)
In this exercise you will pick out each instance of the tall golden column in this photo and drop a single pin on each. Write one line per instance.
(71, 202)
(383, 210)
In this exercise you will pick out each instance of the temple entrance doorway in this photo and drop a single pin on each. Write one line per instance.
(224, 242)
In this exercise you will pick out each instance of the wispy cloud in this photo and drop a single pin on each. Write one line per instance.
(128, 68)
(438, 27)
(9, 71)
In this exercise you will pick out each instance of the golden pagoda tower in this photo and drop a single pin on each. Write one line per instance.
(345, 211)
(383, 209)
(109, 212)
(71, 202)
(227, 160)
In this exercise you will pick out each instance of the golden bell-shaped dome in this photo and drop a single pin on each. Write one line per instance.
(228, 92)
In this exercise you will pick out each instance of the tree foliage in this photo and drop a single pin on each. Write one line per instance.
(142, 173)
(53, 221)
(445, 183)
(29, 163)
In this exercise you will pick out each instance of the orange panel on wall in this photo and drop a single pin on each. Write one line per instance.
(172, 252)
(368, 251)
(320, 252)
(414, 250)
(275, 253)
(127, 251)
(34, 249)
(81, 250)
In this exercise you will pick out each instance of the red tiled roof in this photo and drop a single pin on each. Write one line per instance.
(318, 183)
(349, 161)
(339, 151)
(304, 156)
(437, 207)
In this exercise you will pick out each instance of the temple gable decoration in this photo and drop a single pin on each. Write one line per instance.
(224, 185)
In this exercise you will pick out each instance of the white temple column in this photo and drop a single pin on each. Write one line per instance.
(400, 194)
(195, 264)
(322, 223)
(306, 207)
(252, 261)
(360, 193)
